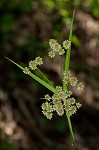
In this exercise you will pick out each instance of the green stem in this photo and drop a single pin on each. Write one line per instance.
(69, 50)
(61, 68)
(65, 87)
(71, 131)
(67, 60)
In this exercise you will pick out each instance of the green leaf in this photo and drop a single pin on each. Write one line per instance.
(76, 41)
(67, 59)
(51, 88)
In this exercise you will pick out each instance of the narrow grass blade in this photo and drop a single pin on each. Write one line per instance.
(36, 78)
(67, 62)
(67, 59)
(44, 76)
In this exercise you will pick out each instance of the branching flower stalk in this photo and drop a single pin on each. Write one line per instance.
(62, 102)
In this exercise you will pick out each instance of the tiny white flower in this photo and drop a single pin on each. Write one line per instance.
(26, 70)
(66, 44)
(38, 60)
(73, 81)
(61, 51)
(51, 54)
(32, 65)
(80, 86)
(47, 97)
(78, 105)
(52, 42)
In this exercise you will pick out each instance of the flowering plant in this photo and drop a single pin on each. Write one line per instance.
(61, 101)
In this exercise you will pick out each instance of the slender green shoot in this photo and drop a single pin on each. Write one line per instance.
(71, 131)
(61, 67)
(67, 60)
(67, 63)
(69, 50)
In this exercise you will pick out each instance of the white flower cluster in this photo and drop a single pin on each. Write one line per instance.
(56, 47)
(66, 44)
(68, 79)
(60, 102)
(33, 64)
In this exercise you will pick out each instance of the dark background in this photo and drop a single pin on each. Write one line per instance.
(25, 29)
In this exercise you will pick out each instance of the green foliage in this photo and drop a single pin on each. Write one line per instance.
(51, 88)
(94, 8)
(76, 41)
(7, 23)
(6, 146)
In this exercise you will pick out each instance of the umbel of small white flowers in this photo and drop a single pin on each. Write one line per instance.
(57, 48)
(33, 64)
(62, 101)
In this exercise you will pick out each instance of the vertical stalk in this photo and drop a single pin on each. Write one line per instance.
(65, 87)
(61, 68)
(71, 131)
(67, 59)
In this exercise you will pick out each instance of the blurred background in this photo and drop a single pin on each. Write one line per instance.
(25, 29)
